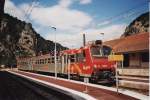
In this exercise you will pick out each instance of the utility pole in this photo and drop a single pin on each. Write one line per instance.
(55, 56)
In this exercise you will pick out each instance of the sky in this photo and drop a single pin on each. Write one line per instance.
(72, 18)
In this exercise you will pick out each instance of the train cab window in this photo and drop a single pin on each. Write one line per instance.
(96, 51)
(106, 50)
(100, 51)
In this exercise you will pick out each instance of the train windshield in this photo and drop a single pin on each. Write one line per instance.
(98, 51)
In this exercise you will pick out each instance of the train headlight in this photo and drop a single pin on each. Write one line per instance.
(95, 66)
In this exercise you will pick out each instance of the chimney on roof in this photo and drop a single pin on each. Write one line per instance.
(2, 3)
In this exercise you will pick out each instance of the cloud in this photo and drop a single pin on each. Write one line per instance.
(110, 32)
(61, 16)
(75, 40)
(85, 1)
(104, 23)
(65, 3)
(70, 23)
(14, 10)
(69, 40)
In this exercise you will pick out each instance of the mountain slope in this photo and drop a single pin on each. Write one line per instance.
(139, 25)
(19, 38)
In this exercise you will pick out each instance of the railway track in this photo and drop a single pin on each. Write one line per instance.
(13, 87)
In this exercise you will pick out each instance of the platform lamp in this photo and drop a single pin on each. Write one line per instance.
(55, 49)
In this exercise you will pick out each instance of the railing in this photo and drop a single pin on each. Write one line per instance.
(134, 78)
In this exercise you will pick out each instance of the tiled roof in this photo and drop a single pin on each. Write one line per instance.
(137, 42)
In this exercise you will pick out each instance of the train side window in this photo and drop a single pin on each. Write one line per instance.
(36, 62)
(45, 61)
(53, 60)
(58, 59)
(40, 62)
(72, 58)
(49, 60)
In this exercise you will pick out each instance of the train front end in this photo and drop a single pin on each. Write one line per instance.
(103, 69)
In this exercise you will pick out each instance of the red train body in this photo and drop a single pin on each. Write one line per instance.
(89, 61)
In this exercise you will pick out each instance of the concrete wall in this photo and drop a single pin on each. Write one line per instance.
(134, 72)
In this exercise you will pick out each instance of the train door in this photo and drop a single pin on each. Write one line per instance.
(59, 69)
(64, 63)
(73, 63)
(81, 62)
(87, 63)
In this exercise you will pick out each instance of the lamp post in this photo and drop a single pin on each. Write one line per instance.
(55, 56)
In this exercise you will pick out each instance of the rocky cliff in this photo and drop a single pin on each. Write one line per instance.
(139, 25)
(19, 38)
(2, 2)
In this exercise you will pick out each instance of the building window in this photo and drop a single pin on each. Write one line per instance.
(145, 56)
(133, 55)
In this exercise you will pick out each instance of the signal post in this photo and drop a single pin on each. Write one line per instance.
(116, 58)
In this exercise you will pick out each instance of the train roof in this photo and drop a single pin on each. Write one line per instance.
(70, 51)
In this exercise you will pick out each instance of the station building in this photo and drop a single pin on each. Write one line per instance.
(135, 50)
(134, 70)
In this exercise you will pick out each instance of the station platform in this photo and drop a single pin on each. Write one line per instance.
(93, 92)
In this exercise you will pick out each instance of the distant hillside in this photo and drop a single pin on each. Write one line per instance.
(19, 38)
(139, 25)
